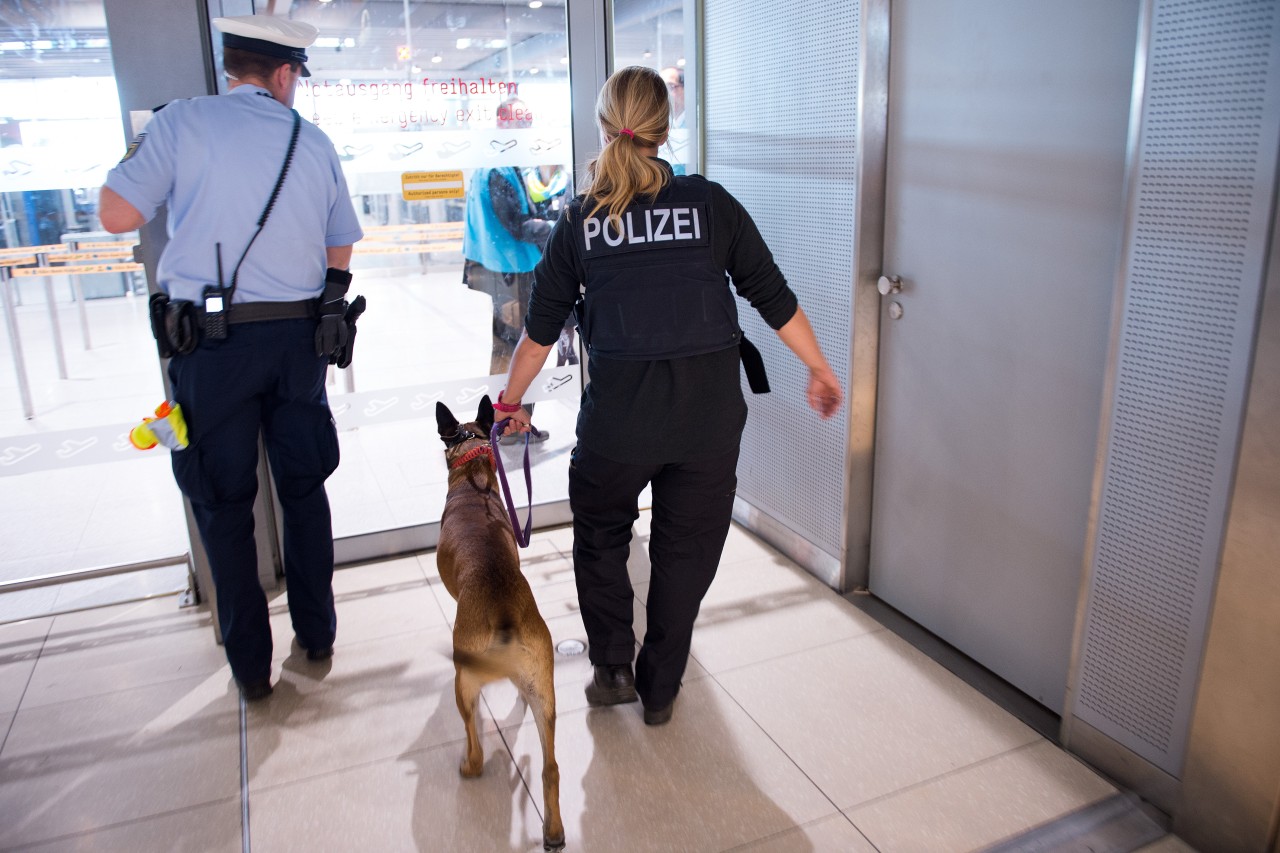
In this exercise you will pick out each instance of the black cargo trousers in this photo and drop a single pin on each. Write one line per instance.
(692, 509)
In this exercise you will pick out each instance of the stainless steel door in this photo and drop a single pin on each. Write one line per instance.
(1006, 143)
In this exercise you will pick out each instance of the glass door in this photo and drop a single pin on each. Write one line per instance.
(662, 34)
(453, 124)
(79, 366)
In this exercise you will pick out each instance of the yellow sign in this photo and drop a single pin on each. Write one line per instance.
(79, 269)
(89, 256)
(420, 186)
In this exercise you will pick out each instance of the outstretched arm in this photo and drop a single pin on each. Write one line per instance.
(824, 391)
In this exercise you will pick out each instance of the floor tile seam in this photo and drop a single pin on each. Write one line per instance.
(800, 826)
(268, 787)
(528, 790)
(964, 768)
(197, 677)
(99, 694)
(25, 687)
(794, 763)
(340, 643)
(280, 607)
(107, 827)
(787, 654)
(199, 612)
(440, 604)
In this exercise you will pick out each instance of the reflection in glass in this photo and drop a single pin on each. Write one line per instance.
(660, 34)
(453, 126)
(79, 365)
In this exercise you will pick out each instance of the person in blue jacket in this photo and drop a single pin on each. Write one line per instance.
(509, 216)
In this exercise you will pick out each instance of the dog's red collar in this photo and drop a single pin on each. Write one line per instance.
(473, 453)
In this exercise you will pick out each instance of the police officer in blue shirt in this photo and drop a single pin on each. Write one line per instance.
(252, 312)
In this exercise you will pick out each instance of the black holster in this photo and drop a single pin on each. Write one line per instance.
(175, 324)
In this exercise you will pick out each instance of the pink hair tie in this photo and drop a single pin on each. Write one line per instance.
(627, 131)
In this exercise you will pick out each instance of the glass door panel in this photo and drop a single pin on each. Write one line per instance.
(662, 34)
(79, 365)
(452, 122)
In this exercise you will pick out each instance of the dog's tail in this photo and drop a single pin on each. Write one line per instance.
(499, 660)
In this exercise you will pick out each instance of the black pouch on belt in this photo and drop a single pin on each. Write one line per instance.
(157, 306)
(753, 364)
(181, 326)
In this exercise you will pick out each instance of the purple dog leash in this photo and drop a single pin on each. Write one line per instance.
(522, 538)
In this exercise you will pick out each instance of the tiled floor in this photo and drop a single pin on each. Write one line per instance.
(803, 725)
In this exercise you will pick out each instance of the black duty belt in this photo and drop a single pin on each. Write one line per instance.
(257, 312)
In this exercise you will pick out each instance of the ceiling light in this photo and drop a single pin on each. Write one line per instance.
(680, 62)
(535, 4)
(437, 58)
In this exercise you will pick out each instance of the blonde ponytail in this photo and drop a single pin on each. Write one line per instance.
(633, 113)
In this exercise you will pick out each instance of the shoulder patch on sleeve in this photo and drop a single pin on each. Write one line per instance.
(133, 147)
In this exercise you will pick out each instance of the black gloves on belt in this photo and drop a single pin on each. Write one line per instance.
(333, 334)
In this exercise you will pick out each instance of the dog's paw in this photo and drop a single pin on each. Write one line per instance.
(471, 769)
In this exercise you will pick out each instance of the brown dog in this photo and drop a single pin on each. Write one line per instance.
(498, 632)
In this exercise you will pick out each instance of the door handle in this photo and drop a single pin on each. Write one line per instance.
(889, 284)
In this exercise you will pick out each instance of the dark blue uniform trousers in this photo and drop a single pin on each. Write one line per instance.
(262, 378)
(692, 509)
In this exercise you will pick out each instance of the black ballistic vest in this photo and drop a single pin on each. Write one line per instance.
(653, 287)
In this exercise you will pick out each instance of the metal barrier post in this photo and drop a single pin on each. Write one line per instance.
(77, 289)
(15, 344)
(77, 293)
(43, 261)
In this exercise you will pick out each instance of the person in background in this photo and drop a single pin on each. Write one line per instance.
(547, 187)
(664, 407)
(509, 214)
(677, 143)
(674, 78)
(250, 358)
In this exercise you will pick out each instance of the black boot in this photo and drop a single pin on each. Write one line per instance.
(612, 685)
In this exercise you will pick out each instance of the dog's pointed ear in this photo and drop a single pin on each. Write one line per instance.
(484, 413)
(446, 423)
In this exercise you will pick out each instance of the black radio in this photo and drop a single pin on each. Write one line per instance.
(217, 302)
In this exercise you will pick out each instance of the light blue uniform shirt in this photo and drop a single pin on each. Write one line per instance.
(215, 161)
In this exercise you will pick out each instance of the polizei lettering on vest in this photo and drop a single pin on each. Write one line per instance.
(642, 225)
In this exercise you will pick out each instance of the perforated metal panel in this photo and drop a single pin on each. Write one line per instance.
(1202, 190)
(780, 136)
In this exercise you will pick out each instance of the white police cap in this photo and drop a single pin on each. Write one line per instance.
(269, 35)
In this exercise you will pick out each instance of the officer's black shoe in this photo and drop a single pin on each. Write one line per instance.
(612, 685)
(314, 653)
(252, 691)
(659, 717)
(320, 654)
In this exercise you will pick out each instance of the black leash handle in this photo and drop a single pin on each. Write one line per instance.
(522, 537)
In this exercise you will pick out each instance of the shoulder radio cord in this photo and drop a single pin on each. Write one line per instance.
(266, 211)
